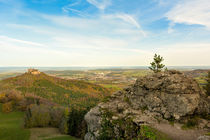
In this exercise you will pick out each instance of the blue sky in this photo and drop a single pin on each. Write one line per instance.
(104, 32)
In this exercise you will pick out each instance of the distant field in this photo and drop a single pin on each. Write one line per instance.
(8, 75)
(117, 79)
(113, 79)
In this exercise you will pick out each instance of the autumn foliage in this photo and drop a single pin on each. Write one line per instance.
(50, 101)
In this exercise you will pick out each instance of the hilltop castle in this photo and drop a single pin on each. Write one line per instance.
(34, 71)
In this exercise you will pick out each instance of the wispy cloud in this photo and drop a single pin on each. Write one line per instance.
(191, 12)
(71, 8)
(8, 39)
(100, 25)
(100, 4)
(128, 19)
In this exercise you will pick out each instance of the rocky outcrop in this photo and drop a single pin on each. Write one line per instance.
(161, 96)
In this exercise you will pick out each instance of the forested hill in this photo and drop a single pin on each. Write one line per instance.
(57, 90)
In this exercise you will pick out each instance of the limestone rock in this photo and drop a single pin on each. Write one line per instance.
(163, 95)
(204, 138)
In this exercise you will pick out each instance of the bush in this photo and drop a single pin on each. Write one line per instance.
(7, 107)
(146, 132)
(11, 100)
(69, 121)
(191, 123)
(2, 97)
(63, 127)
(76, 124)
(43, 116)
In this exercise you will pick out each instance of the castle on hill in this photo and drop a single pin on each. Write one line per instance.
(34, 71)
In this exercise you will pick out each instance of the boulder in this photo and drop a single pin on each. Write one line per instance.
(161, 96)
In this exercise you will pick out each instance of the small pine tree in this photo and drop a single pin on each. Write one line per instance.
(156, 65)
(208, 85)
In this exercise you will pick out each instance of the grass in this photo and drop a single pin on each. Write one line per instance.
(49, 133)
(0, 107)
(11, 126)
(111, 86)
(207, 134)
(191, 123)
(62, 138)
(153, 134)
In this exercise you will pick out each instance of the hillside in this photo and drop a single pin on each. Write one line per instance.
(57, 90)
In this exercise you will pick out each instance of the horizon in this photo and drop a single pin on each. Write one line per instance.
(104, 33)
(80, 68)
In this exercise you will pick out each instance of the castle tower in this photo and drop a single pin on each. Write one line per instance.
(34, 71)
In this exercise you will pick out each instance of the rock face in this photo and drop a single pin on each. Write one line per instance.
(165, 95)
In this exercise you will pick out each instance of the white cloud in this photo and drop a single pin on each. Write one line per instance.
(14, 52)
(91, 43)
(191, 12)
(100, 4)
(71, 8)
(101, 24)
(97, 51)
(22, 55)
(5, 38)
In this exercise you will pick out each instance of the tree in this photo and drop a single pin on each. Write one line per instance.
(156, 65)
(208, 85)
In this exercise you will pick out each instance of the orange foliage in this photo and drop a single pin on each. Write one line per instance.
(2, 96)
(7, 107)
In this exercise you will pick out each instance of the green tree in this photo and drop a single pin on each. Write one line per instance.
(208, 85)
(156, 65)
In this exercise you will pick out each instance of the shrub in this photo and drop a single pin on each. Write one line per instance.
(2, 96)
(146, 132)
(63, 127)
(14, 95)
(37, 116)
(68, 120)
(56, 114)
(191, 123)
(11, 99)
(7, 107)
(43, 116)
(76, 124)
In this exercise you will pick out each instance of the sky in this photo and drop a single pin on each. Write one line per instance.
(104, 32)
